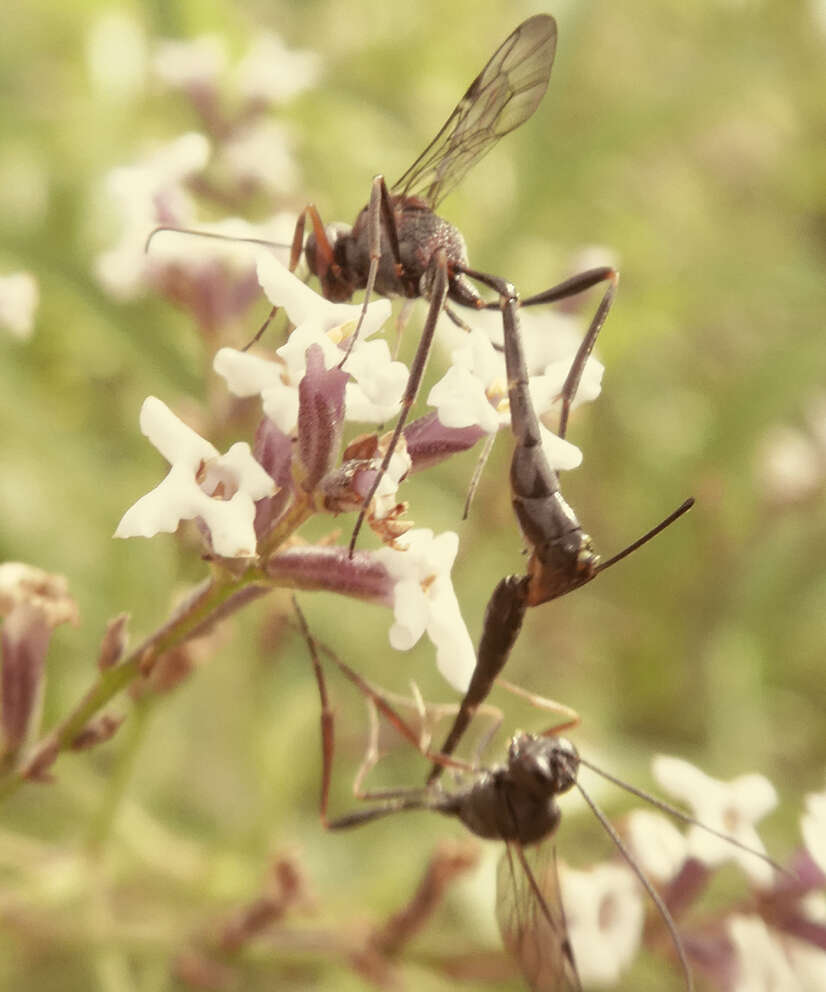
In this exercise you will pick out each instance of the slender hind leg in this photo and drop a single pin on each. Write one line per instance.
(438, 294)
(395, 799)
(561, 555)
(569, 287)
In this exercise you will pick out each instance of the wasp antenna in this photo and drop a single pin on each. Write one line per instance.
(477, 474)
(661, 526)
(680, 814)
(237, 238)
(655, 897)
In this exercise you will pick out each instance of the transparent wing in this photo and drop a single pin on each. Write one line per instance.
(503, 96)
(532, 921)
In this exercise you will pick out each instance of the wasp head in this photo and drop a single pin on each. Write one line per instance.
(326, 259)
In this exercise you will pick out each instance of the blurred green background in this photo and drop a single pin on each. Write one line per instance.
(686, 139)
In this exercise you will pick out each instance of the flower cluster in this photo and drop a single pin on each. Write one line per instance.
(323, 377)
(329, 380)
(238, 154)
(771, 936)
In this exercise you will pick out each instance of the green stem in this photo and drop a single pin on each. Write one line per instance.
(206, 606)
(118, 779)
(203, 607)
(196, 613)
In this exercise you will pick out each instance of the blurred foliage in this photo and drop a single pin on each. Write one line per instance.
(688, 140)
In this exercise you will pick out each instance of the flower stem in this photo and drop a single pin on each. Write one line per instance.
(210, 601)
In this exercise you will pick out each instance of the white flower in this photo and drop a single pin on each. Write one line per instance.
(549, 339)
(808, 963)
(377, 383)
(146, 194)
(561, 454)
(116, 56)
(732, 808)
(375, 392)
(19, 297)
(385, 498)
(195, 63)
(304, 306)
(220, 489)
(657, 844)
(604, 912)
(761, 965)
(770, 959)
(474, 392)
(272, 72)
(424, 600)
(813, 826)
(474, 389)
(790, 467)
(261, 154)
(546, 387)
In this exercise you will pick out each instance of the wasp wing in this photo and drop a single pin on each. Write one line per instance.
(532, 921)
(503, 96)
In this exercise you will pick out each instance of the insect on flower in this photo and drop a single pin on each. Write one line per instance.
(399, 246)
(562, 557)
(515, 802)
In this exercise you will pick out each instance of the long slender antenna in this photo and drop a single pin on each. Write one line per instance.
(477, 473)
(662, 909)
(683, 508)
(237, 238)
(680, 814)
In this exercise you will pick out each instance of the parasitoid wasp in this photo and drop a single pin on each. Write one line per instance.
(514, 802)
(399, 246)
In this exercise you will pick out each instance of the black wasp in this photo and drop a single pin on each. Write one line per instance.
(399, 246)
(514, 802)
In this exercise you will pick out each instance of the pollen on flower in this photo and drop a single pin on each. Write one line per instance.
(474, 392)
(497, 394)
